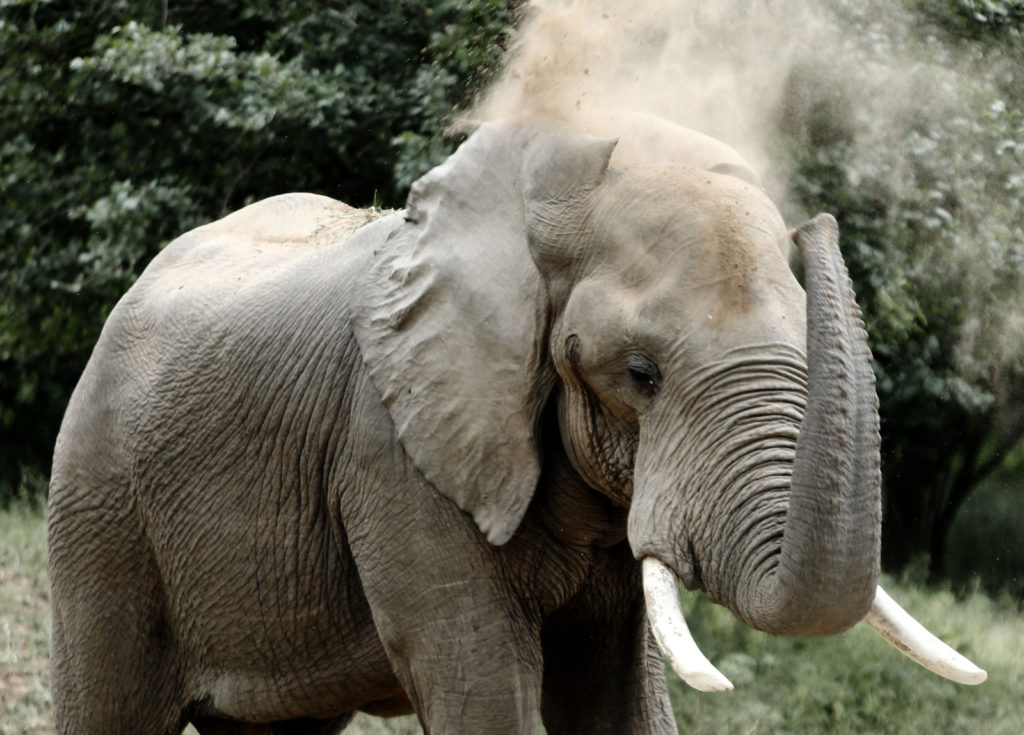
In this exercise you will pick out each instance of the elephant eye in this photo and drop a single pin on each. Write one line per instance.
(643, 373)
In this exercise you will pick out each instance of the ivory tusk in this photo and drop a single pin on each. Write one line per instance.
(661, 591)
(897, 626)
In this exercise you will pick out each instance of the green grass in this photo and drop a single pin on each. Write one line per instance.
(852, 683)
(855, 682)
(24, 623)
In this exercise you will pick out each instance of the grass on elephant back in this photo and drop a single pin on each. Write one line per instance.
(851, 683)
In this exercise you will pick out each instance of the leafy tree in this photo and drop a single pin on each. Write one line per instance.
(979, 20)
(124, 124)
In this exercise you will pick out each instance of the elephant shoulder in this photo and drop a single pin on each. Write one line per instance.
(265, 285)
(297, 220)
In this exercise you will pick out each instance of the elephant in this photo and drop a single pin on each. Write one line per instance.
(455, 460)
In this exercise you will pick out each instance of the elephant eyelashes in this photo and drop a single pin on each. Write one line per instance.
(644, 374)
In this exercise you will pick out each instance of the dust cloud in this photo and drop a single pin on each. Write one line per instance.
(720, 68)
(765, 76)
(736, 70)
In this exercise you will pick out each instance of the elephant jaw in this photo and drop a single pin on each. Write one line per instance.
(886, 617)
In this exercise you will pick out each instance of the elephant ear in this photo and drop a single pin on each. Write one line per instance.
(452, 317)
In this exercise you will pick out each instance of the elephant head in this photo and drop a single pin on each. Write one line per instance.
(696, 383)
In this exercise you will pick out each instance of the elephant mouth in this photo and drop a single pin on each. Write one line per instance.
(886, 617)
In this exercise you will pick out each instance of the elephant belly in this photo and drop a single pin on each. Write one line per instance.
(265, 697)
(270, 671)
(270, 617)
(393, 703)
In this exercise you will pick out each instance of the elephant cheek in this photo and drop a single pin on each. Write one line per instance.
(600, 447)
(724, 543)
(710, 501)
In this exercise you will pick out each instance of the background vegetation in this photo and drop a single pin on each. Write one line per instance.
(923, 167)
(123, 124)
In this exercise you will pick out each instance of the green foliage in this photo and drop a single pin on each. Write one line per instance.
(975, 18)
(125, 124)
(854, 682)
(985, 545)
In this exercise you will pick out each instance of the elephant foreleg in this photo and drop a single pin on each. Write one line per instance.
(461, 646)
(466, 660)
(603, 672)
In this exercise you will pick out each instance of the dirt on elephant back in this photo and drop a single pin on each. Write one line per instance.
(349, 222)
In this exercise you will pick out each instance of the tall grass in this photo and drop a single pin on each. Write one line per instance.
(851, 683)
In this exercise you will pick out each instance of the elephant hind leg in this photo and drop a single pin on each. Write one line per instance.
(114, 663)
(117, 679)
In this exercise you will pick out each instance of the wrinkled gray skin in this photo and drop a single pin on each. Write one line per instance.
(315, 467)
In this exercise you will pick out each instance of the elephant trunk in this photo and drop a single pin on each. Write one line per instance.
(828, 561)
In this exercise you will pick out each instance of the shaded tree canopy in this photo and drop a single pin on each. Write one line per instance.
(931, 210)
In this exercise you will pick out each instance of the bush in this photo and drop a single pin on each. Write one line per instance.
(914, 137)
(986, 549)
